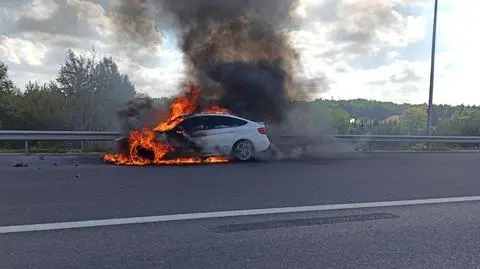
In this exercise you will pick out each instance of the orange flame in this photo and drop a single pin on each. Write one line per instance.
(181, 106)
(144, 140)
(216, 109)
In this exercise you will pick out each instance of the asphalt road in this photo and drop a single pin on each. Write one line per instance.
(59, 189)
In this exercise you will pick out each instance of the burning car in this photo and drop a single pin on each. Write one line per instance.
(206, 135)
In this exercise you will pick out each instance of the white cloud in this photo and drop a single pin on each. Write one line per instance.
(346, 33)
(455, 61)
(400, 81)
(21, 51)
(41, 9)
(362, 46)
(40, 27)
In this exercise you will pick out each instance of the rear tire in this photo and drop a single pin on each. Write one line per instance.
(243, 150)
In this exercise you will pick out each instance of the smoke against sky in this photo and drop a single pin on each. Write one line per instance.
(241, 46)
(357, 44)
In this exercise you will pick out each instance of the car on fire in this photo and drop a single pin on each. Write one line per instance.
(214, 134)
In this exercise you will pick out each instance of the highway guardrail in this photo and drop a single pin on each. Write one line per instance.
(371, 140)
(26, 136)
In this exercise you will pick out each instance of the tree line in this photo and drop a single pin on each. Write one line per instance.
(85, 95)
(385, 118)
(88, 91)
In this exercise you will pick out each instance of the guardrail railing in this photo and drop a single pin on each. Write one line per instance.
(371, 140)
(26, 136)
(408, 138)
(58, 135)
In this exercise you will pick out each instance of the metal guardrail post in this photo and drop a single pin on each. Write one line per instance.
(82, 146)
(26, 146)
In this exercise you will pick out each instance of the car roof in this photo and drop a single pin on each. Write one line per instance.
(210, 114)
(214, 114)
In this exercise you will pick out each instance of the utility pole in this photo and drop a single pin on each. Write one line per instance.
(432, 72)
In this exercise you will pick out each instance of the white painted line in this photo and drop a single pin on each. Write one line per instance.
(224, 214)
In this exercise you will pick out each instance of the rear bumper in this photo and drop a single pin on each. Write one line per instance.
(262, 144)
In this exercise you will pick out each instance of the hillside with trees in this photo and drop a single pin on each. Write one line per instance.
(385, 118)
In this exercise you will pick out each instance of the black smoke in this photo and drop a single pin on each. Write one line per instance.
(239, 51)
(252, 89)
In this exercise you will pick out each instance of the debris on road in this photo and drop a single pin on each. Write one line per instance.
(20, 164)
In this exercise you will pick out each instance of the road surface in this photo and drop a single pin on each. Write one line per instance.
(56, 190)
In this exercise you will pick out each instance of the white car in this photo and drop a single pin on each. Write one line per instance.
(214, 134)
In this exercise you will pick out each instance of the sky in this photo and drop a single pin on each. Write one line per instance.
(373, 49)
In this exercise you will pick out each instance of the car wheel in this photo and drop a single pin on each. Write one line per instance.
(243, 150)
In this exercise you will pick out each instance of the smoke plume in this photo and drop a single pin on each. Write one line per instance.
(238, 51)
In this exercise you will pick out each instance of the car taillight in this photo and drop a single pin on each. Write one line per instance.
(262, 130)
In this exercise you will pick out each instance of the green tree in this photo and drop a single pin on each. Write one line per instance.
(6, 85)
(76, 81)
(43, 107)
(464, 122)
(94, 91)
(9, 98)
(114, 90)
(341, 119)
(414, 120)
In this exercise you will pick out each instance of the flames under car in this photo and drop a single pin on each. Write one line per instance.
(209, 134)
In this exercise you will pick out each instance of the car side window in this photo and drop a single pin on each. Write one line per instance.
(218, 122)
(194, 124)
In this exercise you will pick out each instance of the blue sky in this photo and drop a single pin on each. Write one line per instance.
(374, 49)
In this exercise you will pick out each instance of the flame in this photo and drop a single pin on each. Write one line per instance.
(143, 141)
(216, 109)
(183, 105)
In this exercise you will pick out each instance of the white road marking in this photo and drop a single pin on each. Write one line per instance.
(225, 214)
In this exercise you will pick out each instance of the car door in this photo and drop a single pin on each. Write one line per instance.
(195, 129)
(222, 132)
